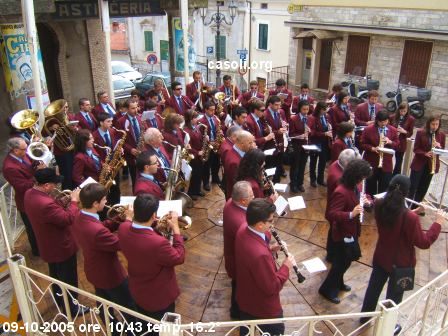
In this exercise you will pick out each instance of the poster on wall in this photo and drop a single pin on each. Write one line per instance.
(179, 47)
(16, 63)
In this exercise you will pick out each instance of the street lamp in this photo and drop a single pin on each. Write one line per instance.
(219, 19)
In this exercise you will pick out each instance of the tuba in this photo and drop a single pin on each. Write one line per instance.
(55, 114)
(26, 120)
(38, 151)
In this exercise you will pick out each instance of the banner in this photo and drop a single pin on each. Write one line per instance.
(179, 47)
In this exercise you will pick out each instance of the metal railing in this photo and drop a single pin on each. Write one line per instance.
(12, 222)
(281, 72)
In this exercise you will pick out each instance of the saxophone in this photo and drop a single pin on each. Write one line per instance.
(219, 137)
(381, 145)
(206, 146)
(434, 156)
(113, 163)
(141, 139)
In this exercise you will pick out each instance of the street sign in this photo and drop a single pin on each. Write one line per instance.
(151, 59)
(241, 51)
(243, 56)
(209, 50)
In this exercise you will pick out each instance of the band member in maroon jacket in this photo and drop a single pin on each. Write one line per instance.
(154, 119)
(154, 144)
(257, 125)
(332, 97)
(344, 140)
(152, 96)
(304, 95)
(280, 91)
(227, 144)
(370, 141)
(299, 133)
(399, 232)
(151, 259)
(258, 281)
(365, 113)
(249, 96)
(194, 89)
(162, 93)
(104, 105)
(343, 213)
(196, 143)
(341, 111)
(147, 165)
(18, 171)
(132, 124)
(51, 223)
(177, 101)
(276, 119)
(99, 248)
(86, 119)
(232, 94)
(172, 133)
(87, 162)
(422, 163)
(234, 217)
(321, 135)
(121, 112)
(239, 117)
(404, 123)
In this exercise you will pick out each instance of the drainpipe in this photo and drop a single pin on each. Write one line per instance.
(104, 9)
(184, 19)
(250, 38)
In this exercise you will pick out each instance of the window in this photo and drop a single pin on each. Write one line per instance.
(149, 46)
(221, 49)
(415, 62)
(263, 5)
(357, 55)
(263, 30)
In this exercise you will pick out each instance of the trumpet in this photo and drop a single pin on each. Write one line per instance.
(117, 213)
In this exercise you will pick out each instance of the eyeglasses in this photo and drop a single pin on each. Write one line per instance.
(23, 148)
(177, 89)
(262, 110)
(153, 163)
(269, 221)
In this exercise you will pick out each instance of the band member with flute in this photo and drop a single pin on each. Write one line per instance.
(404, 123)
(425, 163)
(343, 213)
(344, 140)
(147, 166)
(177, 101)
(284, 95)
(251, 95)
(373, 139)
(257, 125)
(341, 110)
(87, 162)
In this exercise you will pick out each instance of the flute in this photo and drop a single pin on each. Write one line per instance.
(284, 249)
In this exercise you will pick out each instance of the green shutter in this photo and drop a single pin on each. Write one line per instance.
(263, 36)
(148, 41)
(222, 47)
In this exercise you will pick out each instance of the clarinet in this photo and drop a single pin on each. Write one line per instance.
(361, 200)
(284, 249)
(268, 186)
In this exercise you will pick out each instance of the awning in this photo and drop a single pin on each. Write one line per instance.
(319, 34)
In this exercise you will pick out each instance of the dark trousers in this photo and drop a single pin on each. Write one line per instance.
(276, 161)
(65, 164)
(378, 182)
(114, 192)
(420, 181)
(398, 163)
(376, 283)
(211, 167)
(30, 234)
(234, 308)
(132, 173)
(323, 157)
(330, 245)
(119, 295)
(298, 163)
(196, 175)
(156, 315)
(67, 272)
(335, 278)
(271, 329)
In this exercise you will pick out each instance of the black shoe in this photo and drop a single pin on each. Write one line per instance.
(345, 288)
(301, 188)
(207, 187)
(397, 329)
(184, 237)
(334, 300)
(294, 190)
(193, 197)
(313, 184)
(201, 194)
(323, 184)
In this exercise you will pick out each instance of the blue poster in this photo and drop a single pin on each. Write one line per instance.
(179, 47)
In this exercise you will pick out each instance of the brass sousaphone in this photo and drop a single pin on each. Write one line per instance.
(55, 114)
(26, 120)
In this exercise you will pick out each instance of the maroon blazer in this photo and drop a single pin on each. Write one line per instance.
(231, 165)
(422, 146)
(131, 139)
(338, 115)
(186, 104)
(226, 146)
(195, 141)
(297, 127)
(254, 129)
(237, 91)
(362, 113)
(390, 241)
(159, 122)
(370, 138)
(99, 248)
(192, 91)
(83, 122)
(145, 186)
(114, 136)
(317, 134)
(98, 109)
(160, 175)
(20, 176)
(116, 118)
(275, 127)
(151, 261)
(174, 139)
(51, 224)
(334, 174)
(286, 105)
(234, 217)
(338, 146)
(295, 104)
(256, 188)
(247, 96)
(259, 281)
(84, 167)
(408, 126)
(342, 202)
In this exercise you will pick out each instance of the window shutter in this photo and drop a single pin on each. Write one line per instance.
(415, 63)
(148, 41)
(263, 36)
(357, 55)
(222, 47)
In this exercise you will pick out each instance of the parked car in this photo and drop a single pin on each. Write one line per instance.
(124, 70)
(122, 87)
(147, 82)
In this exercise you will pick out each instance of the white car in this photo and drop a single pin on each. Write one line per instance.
(124, 70)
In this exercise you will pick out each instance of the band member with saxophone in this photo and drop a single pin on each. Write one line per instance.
(194, 89)
(18, 171)
(374, 137)
(177, 101)
(132, 124)
(257, 125)
(321, 135)
(104, 105)
(343, 212)
(99, 247)
(404, 123)
(425, 163)
(299, 132)
(258, 280)
(147, 166)
(86, 119)
(154, 144)
(344, 140)
(284, 95)
(212, 165)
(341, 111)
(172, 133)
(52, 223)
(234, 217)
(304, 95)
(151, 259)
(87, 162)
(251, 95)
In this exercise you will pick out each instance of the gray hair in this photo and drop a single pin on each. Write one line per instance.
(240, 190)
(14, 143)
(242, 135)
(232, 131)
(151, 134)
(346, 156)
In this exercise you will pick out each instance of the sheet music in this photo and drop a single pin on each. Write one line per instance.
(280, 205)
(296, 203)
(127, 200)
(186, 169)
(381, 195)
(311, 148)
(89, 180)
(148, 115)
(442, 152)
(270, 171)
(268, 152)
(314, 265)
(280, 187)
(167, 206)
